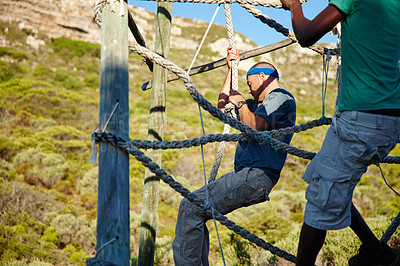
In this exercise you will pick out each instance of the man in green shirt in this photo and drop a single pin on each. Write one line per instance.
(365, 128)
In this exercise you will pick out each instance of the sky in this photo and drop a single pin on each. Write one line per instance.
(243, 21)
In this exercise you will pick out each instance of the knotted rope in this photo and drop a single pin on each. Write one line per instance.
(281, 29)
(234, 86)
(155, 168)
(98, 9)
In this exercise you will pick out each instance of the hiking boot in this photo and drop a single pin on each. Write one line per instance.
(383, 255)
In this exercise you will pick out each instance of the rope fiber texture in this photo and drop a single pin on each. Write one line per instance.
(281, 29)
(229, 108)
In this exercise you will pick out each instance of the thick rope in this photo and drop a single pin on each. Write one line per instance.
(267, 3)
(214, 111)
(279, 28)
(247, 131)
(155, 168)
(147, 144)
(234, 86)
(326, 58)
(98, 9)
(391, 229)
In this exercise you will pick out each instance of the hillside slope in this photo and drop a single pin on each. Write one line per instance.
(49, 106)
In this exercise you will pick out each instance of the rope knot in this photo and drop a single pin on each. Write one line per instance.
(325, 120)
(267, 141)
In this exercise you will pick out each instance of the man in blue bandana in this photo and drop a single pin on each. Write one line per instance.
(257, 167)
(365, 128)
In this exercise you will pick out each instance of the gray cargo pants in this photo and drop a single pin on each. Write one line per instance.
(226, 194)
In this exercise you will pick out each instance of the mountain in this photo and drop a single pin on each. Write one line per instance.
(49, 106)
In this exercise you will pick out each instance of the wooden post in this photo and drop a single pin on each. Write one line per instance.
(156, 131)
(113, 189)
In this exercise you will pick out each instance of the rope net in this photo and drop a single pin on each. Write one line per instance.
(267, 138)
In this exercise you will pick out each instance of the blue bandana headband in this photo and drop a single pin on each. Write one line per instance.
(266, 71)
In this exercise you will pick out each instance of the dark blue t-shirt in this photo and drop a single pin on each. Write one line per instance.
(279, 110)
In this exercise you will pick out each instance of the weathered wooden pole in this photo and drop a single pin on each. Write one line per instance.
(113, 188)
(156, 131)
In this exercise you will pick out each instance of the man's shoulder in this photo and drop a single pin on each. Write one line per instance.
(279, 94)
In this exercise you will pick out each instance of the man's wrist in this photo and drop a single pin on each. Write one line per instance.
(240, 104)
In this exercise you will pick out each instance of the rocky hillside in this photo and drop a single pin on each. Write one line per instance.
(54, 18)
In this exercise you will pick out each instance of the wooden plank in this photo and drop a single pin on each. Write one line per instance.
(113, 188)
(156, 132)
(221, 62)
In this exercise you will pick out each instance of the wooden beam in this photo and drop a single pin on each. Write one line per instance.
(221, 62)
(148, 228)
(113, 187)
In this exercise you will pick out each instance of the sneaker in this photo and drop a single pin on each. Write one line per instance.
(383, 255)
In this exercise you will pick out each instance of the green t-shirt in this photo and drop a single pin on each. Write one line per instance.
(370, 51)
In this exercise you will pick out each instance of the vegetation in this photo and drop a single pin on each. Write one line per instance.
(49, 104)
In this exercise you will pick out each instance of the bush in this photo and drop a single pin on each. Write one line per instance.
(50, 235)
(92, 80)
(68, 80)
(42, 123)
(8, 148)
(67, 47)
(9, 70)
(42, 71)
(71, 229)
(7, 171)
(39, 168)
(14, 54)
(89, 181)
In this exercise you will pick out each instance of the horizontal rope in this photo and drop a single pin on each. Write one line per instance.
(155, 168)
(281, 29)
(266, 3)
(246, 132)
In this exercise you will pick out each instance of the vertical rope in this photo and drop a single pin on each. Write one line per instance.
(326, 59)
(396, 221)
(339, 67)
(234, 86)
(204, 133)
(201, 116)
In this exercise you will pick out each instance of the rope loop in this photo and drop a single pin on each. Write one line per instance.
(326, 120)
(267, 141)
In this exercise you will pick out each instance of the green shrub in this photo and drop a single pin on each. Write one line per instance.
(163, 253)
(41, 123)
(42, 71)
(67, 47)
(68, 80)
(14, 54)
(8, 148)
(39, 168)
(50, 235)
(71, 229)
(89, 181)
(9, 70)
(92, 81)
(7, 171)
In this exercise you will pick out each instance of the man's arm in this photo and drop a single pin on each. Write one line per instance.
(309, 32)
(228, 95)
(223, 97)
(247, 117)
